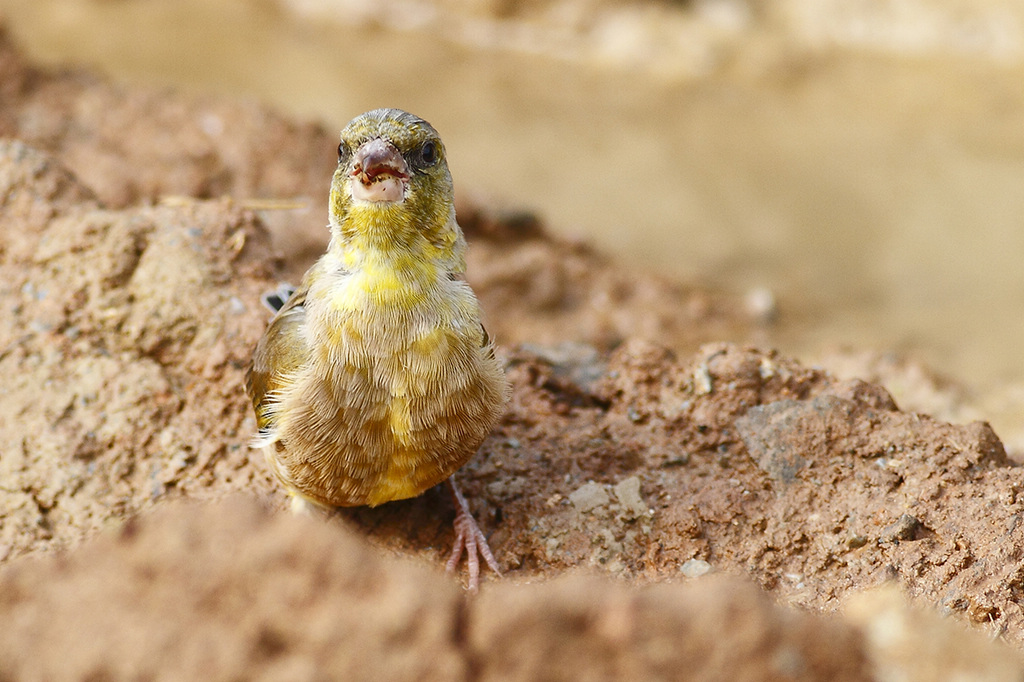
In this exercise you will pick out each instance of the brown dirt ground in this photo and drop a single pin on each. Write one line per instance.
(621, 473)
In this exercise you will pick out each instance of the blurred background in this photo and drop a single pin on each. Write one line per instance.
(861, 160)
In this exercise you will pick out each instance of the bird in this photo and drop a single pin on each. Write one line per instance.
(376, 379)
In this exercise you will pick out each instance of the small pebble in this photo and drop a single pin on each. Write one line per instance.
(857, 541)
(695, 568)
(904, 529)
(628, 493)
(589, 496)
(760, 304)
(702, 383)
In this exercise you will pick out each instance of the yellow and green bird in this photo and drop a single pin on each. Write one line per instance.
(376, 379)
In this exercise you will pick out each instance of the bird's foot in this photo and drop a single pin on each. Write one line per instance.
(470, 538)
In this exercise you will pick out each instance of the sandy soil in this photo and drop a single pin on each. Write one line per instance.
(660, 508)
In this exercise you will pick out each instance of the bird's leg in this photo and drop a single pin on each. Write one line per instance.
(468, 536)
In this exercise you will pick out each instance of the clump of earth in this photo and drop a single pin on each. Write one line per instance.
(663, 497)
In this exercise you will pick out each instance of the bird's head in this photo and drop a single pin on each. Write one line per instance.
(392, 187)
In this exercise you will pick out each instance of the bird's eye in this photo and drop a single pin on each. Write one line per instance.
(343, 151)
(428, 153)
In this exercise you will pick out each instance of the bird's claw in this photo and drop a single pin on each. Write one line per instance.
(470, 538)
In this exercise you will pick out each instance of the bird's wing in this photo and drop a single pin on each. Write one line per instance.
(278, 355)
(485, 341)
(275, 300)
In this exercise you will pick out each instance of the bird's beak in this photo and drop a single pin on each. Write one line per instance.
(380, 173)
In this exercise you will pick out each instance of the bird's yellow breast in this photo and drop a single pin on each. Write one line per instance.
(399, 389)
(399, 280)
